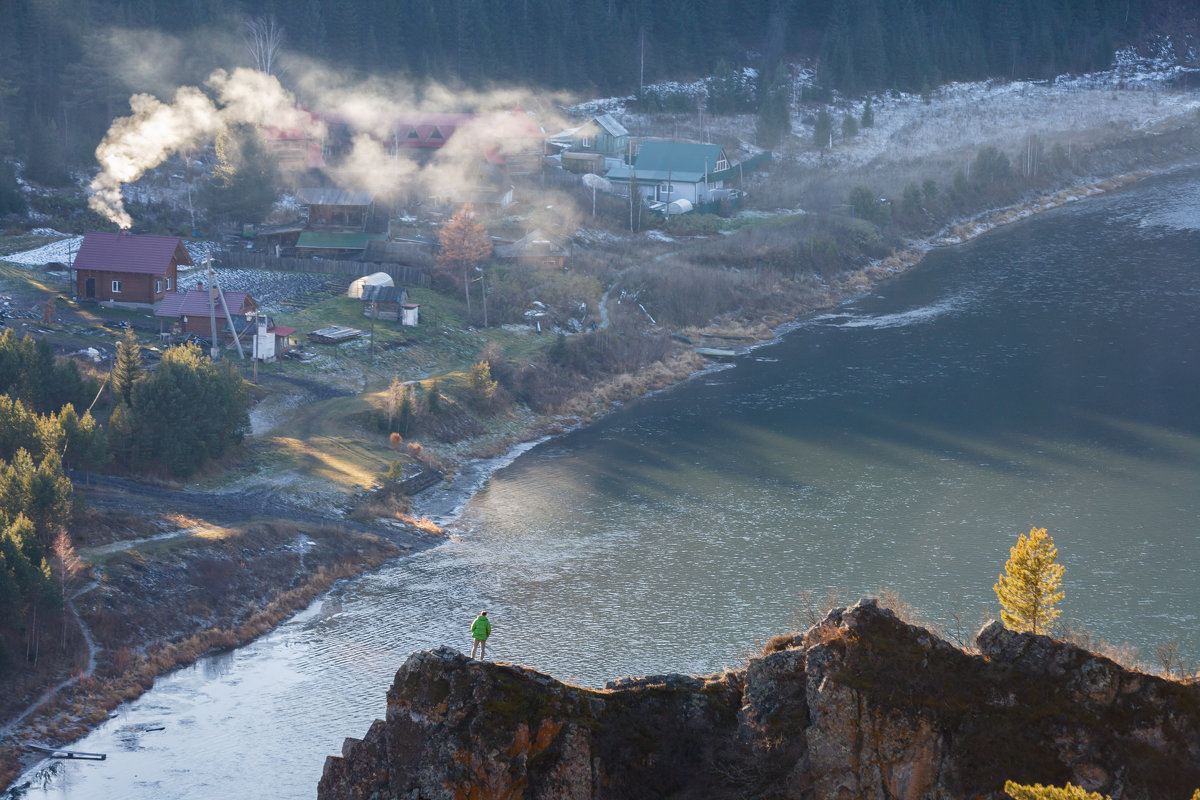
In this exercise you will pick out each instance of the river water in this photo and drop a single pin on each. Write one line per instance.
(1045, 374)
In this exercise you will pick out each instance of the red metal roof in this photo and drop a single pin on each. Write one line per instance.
(126, 252)
(195, 303)
(282, 330)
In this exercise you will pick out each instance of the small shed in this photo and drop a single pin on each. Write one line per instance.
(384, 302)
(536, 249)
(191, 312)
(374, 279)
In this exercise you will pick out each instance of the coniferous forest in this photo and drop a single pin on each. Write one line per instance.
(67, 67)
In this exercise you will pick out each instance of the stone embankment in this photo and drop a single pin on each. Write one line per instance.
(863, 705)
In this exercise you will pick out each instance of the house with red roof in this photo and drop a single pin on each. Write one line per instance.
(192, 312)
(128, 269)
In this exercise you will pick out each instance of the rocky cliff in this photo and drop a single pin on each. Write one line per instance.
(861, 706)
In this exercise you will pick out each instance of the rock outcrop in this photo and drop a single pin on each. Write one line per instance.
(861, 706)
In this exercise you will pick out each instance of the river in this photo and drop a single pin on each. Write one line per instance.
(1044, 375)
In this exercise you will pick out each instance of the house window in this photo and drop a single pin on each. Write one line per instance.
(437, 134)
(157, 287)
(116, 287)
(412, 134)
(722, 164)
(586, 141)
(664, 191)
(168, 284)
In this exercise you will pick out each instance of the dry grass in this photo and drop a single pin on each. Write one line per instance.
(257, 595)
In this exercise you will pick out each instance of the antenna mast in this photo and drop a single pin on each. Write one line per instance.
(214, 292)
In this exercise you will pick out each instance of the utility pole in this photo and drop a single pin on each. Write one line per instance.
(214, 351)
(642, 68)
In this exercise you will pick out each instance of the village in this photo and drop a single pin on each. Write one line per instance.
(356, 289)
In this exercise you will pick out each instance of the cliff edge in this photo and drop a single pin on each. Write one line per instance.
(861, 706)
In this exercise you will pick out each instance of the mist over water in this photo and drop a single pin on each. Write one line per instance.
(1046, 374)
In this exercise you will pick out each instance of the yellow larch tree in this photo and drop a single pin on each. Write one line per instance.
(1019, 791)
(1031, 584)
(463, 244)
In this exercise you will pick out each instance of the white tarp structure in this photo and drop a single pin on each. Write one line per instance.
(376, 279)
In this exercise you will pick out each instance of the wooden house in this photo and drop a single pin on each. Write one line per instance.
(666, 172)
(191, 312)
(339, 210)
(329, 244)
(595, 145)
(384, 302)
(535, 249)
(127, 269)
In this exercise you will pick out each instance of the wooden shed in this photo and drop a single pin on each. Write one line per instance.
(384, 302)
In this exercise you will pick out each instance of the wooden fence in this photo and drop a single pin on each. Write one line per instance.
(402, 274)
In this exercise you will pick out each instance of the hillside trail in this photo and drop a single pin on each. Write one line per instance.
(13, 724)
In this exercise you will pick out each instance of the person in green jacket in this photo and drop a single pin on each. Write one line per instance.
(481, 629)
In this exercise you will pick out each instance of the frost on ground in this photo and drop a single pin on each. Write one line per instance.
(1138, 94)
(62, 251)
(274, 292)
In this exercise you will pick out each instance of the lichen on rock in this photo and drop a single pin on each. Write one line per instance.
(863, 706)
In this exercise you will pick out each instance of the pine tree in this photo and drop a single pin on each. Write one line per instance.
(128, 366)
(1031, 584)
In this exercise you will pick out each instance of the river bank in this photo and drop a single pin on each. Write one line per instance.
(597, 401)
(474, 460)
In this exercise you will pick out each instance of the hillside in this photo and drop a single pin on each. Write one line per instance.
(863, 705)
(67, 68)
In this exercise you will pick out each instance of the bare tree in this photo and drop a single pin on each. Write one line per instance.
(68, 566)
(264, 40)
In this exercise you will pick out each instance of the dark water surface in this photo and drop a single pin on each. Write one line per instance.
(1045, 374)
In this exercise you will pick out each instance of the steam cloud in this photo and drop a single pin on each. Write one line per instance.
(194, 117)
(157, 130)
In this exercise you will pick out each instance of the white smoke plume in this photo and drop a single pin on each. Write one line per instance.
(370, 108)
(156, 130)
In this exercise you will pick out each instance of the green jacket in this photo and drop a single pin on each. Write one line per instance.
(481, 628)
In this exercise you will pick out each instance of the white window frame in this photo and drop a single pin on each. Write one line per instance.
(666, 190)
(586, 141)
(116, 287)
(168, 283)
(157, 286)
(721, 164)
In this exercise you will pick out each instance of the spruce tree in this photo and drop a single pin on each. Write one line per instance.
(823, 130)
(1031, 584)
(128, 366)
(433, 399)
(868, 116)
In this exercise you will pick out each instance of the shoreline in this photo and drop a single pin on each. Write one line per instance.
(908, 256)
(472, 473)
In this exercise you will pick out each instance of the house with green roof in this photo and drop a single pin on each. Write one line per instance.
(665, 172)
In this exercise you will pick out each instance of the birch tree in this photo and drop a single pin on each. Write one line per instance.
(264, 39)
